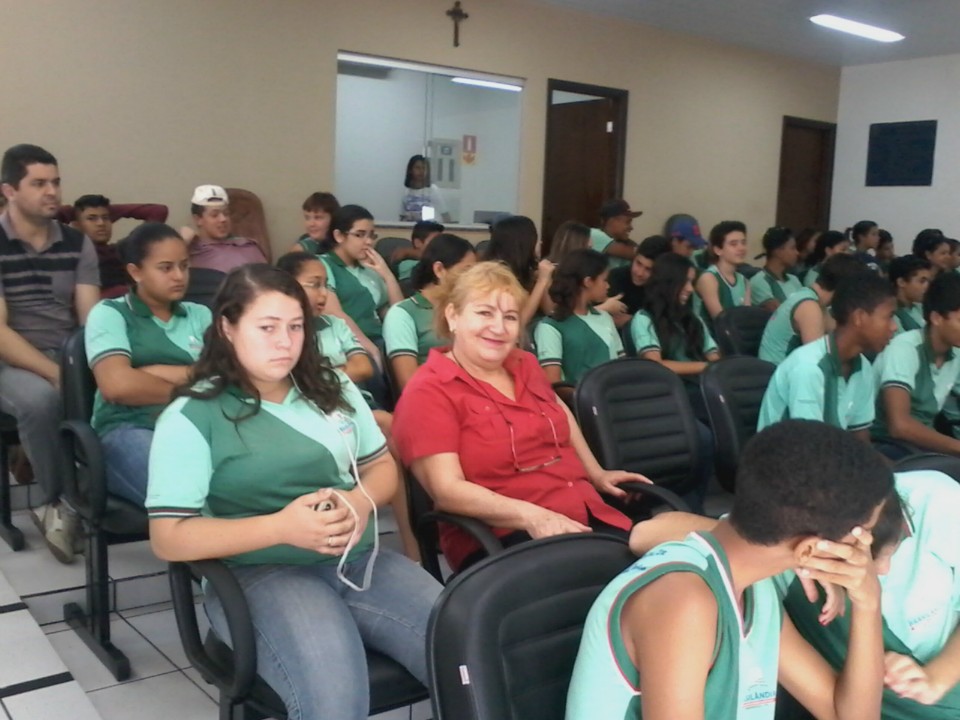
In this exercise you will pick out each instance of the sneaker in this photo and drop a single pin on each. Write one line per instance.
(59, 529)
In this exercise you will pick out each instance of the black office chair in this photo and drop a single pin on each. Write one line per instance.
(9, 533)
(635, 415)
(947, 464)
(482, 248)
(389, 245)
(739, 330)
(733, 391)
(203, 286)
(105, 519)
(504, 635)
(233, 669)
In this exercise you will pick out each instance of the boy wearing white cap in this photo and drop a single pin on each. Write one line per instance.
(214, 247)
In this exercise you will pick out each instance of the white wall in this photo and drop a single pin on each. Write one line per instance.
(924, 89)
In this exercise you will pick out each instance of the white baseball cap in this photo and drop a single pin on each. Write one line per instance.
(208, 195)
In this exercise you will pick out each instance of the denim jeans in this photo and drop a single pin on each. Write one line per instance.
(311, 629)
(126, 455)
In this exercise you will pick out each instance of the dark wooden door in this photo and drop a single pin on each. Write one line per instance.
(806, 174)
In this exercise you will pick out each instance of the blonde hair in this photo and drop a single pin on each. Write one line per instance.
(461, 285)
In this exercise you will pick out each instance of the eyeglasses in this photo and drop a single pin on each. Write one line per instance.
(315, 285)
(363, 234)
(513, 446)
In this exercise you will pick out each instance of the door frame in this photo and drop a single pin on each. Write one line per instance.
(830, 137)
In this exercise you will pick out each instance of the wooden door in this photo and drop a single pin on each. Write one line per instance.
(806, 174)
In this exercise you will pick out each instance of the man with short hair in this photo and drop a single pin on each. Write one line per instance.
(628, 281)
(49, 281)
(613, 236)
(91, 216)
(215, 247)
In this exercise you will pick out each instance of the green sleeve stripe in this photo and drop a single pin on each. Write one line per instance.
(855, 428)
(550, 361)
(372, 456)
(355, 351)
(645, 348)
(108, 353)
(896, 383)
(401, 352)
(159, 512)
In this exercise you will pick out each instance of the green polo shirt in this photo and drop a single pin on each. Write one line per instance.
(811, 277)
(780, 336)
(909, 318)
(808, 385)
(908, 362)
(578, 343)
(336, 340)
(260, 463)
(600, 241)
(766, 286)
(405, 268)
(126, 326)
(644, 337)
(360, 290)
(408, 329)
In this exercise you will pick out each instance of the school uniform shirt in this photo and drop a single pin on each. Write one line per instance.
(909, 318)
(812, 275)
(213, 458)
(729, 295)
(908, 363)
(405, 268)
(445, 410)
(308, 244)
(644, 336)
(766, 286)
(780, 336)
(408, 329)
(125, 326)
(742, 682)
(600, 241)
(578, 343)
(336, 340)
(808, 385)
(360, 290)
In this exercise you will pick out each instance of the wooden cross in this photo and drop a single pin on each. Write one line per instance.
(456, 14)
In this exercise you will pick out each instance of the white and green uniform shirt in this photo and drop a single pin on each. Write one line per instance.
(909, 318)
(809, 385)
(126, 326)
(742, 683)
(360, 290)
(767, 286)
(811, 277)
(259, 463)
(405, 268)
(908, 363)
(780, 336)
(408, 329)
(729, 295)
(336, 340)
(600, 241)
(644, 337)
(578, 343)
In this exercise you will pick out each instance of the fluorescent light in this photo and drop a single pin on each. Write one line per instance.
(486, 84)
(856, 28)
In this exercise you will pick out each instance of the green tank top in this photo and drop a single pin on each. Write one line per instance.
(729, 295)
(605, 682)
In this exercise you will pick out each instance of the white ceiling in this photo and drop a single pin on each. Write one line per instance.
(931, 27)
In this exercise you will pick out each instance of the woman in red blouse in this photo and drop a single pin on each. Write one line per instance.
(484, 432)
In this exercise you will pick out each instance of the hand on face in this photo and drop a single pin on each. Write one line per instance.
(847, 563)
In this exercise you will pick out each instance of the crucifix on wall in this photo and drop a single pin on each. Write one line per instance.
(456, 14)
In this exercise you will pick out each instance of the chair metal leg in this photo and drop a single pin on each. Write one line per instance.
(9, 532)
(93, 624)
(230, 710)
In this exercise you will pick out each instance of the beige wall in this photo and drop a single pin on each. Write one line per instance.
(142, 100)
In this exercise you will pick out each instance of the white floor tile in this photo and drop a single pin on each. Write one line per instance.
(160, 628)
(34, 657)
(53, 703)
(146, 609)
(208, 689)
(134, 559)
(422, 711)
(141, 592)
(157, 698)
(54, 627)
(145, 660)
(33, 569)
(8, 596)
(48, 608)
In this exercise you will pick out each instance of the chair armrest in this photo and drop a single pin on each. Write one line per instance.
(82, 469)
(667, 497)
(476, 529)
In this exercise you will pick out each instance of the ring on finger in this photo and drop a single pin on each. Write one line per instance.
(330, 540)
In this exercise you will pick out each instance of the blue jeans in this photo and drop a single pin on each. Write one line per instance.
(311, 629)
(126, 455)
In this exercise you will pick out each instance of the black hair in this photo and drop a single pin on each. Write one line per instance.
(409, 176)
(292, 262)
(568, 279)
(942, 296)
(785, 491)
(570, 236)
(447, 249)
(889, 528)
(859, 230)
(321, 202)
(513, 241)
(905, 267)
(197, 210)
(720, 231)
(425, 228)
(18, 158)
(135, 248)
(343, 220)
(954, 244)
(654, 246)
(837, 268)
(676, 325)
(775, 238)
(863, 291)
(885, 238)
(804, 237)
(827, 241)
(926, 240)
(85, 202)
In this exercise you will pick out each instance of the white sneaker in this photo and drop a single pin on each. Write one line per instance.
(59, 529)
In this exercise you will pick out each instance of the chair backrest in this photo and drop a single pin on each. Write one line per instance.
(77, 384)
(482, 248)
(739, 330)
(389, 245)
(504, 635)
(203, 286)
(733, 391)
(947, 464)
(636, 415)
(248, 219)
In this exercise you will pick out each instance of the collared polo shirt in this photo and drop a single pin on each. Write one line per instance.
(909, 318)
(259, 464)
(225, 255)
(766, 286)
(361, 292)
(578, 343)
(405, 268)
(408, 329)
(645, 339)
(600, 241)
(812, 275)
(445, 410)
(38, 287)
(126, 326)
(809, 385)
(336, 340)
(908, 362)
(780, 336)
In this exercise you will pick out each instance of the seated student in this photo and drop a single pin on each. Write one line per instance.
(92, 218)
(720, 286)
(935, 248)
(627, 283)
(865, 236)
(568, 237)
(406, 259)
(955, 254)
(408, 328)
(885, 251)
(774, 284)
(683, 230)
(804, 318)
(484, 432)
(318, 210)
(806, 242)
(612, 238)
(141, 347)
(695, 628)
(515, 243)
(213, 246)
(910, 277)
(577, 336)
(273, 462)
(915, 374)
(829, 379)
(828, 244)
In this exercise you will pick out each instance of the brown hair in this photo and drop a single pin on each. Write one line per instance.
(463, 285)
(321, 202)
